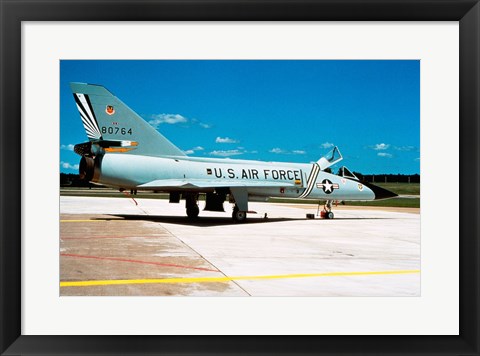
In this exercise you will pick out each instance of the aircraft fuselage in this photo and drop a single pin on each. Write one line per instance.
(288, 180)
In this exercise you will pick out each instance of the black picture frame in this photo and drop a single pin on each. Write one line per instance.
(13, 12)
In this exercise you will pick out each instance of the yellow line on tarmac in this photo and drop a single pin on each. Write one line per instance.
(227, 279)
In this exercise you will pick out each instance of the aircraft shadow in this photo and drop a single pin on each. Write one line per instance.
(200, 221)
(215, 221)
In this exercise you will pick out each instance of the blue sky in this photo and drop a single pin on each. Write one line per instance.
(273, 110)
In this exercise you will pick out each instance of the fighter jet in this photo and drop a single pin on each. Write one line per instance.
(125, 152)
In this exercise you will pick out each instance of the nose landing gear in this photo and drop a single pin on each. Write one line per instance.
(327, 212)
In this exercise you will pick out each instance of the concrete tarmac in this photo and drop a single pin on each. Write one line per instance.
(116, 247)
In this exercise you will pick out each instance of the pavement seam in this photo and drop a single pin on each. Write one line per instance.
(205, 259)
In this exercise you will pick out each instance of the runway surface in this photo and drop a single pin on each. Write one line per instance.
(114, 247)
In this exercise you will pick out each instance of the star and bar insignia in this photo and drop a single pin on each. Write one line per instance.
(327, 186)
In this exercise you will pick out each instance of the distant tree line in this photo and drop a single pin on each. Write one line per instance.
(388, 178)
(73, 180)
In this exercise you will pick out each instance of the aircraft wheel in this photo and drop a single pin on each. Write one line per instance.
(193, 212)
(330, 215)
(239, 216)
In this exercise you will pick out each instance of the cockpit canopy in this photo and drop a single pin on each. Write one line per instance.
(332, 157)
(346, 173)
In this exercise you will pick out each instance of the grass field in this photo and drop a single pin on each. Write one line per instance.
(107, 193)
(401, 188)
(394, 202)
(398, 188)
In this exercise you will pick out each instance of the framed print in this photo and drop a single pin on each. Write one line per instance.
(224, 151)
(57, 296)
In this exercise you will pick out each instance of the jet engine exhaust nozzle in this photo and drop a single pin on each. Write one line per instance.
(86, 168)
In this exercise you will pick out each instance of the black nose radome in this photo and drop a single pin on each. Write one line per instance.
(380, 193)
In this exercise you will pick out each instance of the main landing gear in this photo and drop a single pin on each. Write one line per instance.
(191, 206)
(238, 196)
(239, 216)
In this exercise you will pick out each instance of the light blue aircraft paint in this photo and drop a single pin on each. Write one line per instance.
(125, 152)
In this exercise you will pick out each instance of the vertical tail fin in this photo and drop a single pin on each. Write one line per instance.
(107, 118)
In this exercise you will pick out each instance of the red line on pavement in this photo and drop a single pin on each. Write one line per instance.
(130, 196)
(137, 261)
(108, 237)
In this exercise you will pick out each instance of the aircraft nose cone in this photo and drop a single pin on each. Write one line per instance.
(380, 193)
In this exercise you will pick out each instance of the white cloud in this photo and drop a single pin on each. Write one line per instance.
(226, 153)
(67, 165)
(225, 140)
(193, 150)
(404, 148)
(67, 147)
(158, 119)
(381, 146)
(327, 145)
(201, 124)
(384, 154)
(276, 150)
